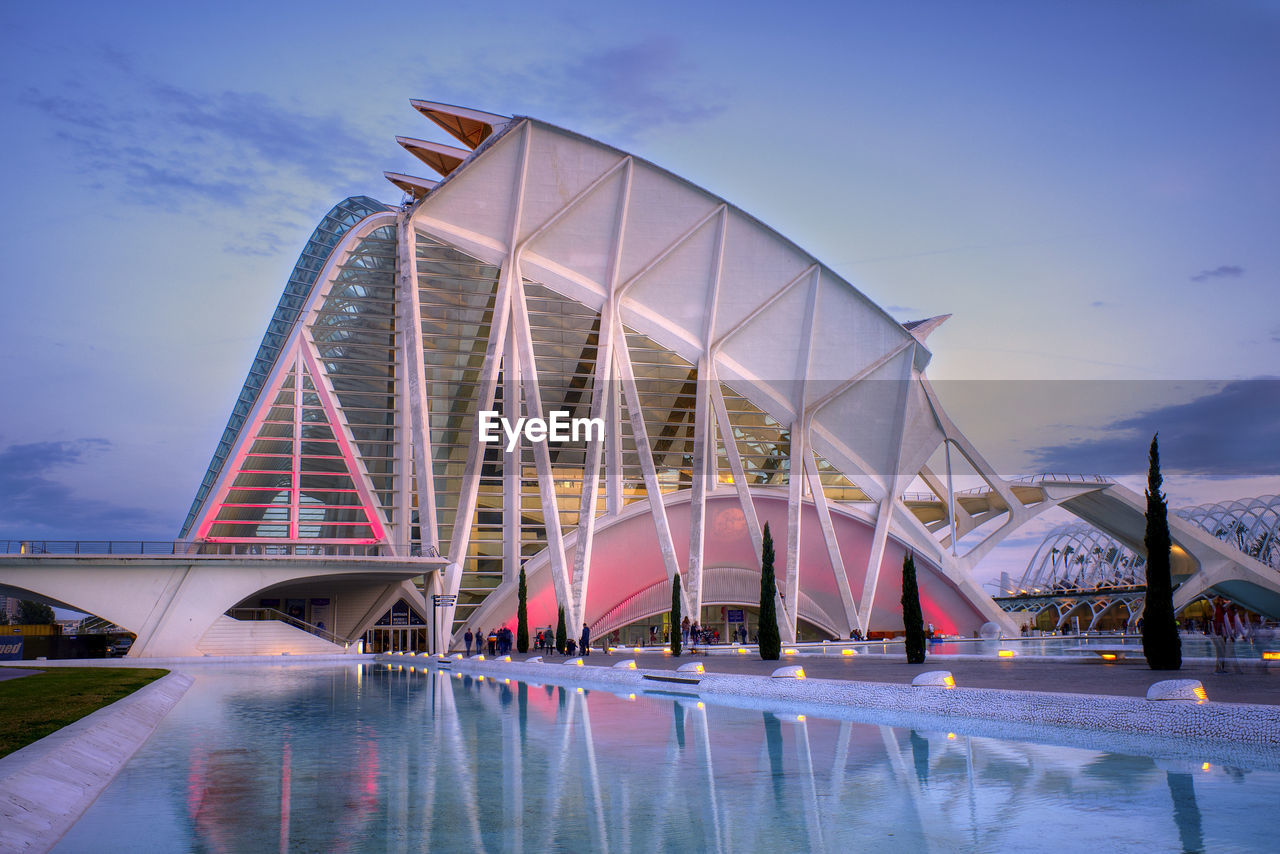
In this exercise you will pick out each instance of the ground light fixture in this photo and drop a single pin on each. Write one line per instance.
(1006, 653)
(536, 659)
(575, 662)
(691, 667)
(791, 671)
(1178, 689)
(625, 664)
(934, 679)
(848, 652)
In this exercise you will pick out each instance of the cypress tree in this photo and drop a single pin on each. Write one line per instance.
(770, 641)
(1160, 642)
(912, 617)
(522, 616)
(561, 634)
(675, 615)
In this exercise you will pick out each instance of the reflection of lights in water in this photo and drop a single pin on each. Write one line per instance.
(951, 736)
(1205, 767)
(848, 652)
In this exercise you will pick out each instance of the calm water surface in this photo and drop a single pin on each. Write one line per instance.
(381, 758)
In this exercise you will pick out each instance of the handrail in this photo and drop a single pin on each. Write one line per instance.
(185, 547)
(269, 614)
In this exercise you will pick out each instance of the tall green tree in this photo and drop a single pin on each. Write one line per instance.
(1160, 642)
(561, 634)
(770, 641)
(912, 617)
(34, 614)
(675, 615)
(522, 615)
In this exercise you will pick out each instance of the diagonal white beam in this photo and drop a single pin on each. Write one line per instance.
(735, 466)
(645, 452)
(833, 545)
(342, 432)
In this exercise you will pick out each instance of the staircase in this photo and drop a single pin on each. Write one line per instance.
(262, 637)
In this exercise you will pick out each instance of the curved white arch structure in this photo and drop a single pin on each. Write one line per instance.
(732, 373)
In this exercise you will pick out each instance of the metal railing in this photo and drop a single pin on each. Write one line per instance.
(262, 615)
(1025, 480)
(182, 547)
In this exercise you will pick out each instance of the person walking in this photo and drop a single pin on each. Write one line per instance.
(586, 639)
(468, 638)
(1235, 632)
(1217, 634)
(684, 631)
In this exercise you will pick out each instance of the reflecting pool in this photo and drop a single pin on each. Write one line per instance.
(1193, 646)
(385, 758)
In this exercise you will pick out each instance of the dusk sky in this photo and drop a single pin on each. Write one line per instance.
(1092, 189)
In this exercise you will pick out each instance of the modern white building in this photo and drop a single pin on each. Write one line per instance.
(720, 377)
(548, 276)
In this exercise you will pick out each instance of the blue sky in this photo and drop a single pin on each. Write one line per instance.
(1091, 188)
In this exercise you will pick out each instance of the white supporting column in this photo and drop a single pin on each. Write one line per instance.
(415, 415)
(512, 466)
(703, 452)
(704, 430)
(461, 539)
(795, 503)
(542, 456)
(603, 397)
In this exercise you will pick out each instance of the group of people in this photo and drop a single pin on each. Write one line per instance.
(691, 634)
(500, 641)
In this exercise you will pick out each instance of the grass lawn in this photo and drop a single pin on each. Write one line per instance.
(33, 706)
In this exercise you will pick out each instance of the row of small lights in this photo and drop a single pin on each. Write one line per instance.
(1174, 689)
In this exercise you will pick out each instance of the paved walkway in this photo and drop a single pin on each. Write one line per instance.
(15, 672)
(1258, 683)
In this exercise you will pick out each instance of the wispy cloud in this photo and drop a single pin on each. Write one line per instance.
(34, 504)
(623, 92)
(1231, 432)
(1224, 271)
(159, 144)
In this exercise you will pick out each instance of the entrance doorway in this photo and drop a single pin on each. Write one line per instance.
(401, 629)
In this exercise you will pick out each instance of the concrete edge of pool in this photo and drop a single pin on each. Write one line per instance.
(46, 786)
(1116, 723)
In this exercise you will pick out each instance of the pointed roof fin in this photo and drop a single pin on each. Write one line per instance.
(414, 186)
(442, 158)
(470, 127)
(921, 329)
